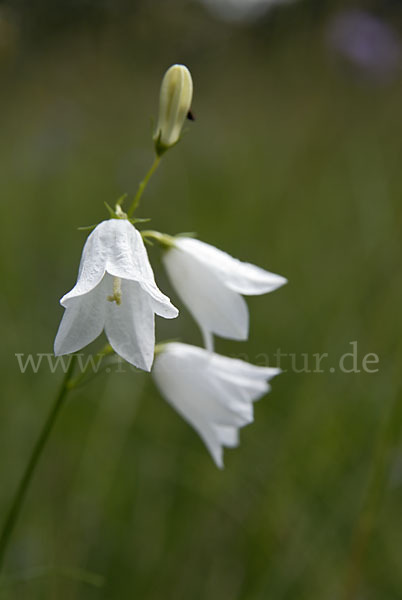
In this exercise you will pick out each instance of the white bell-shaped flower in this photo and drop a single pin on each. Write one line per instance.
(115, 291)
(211, 284)
(213, 393)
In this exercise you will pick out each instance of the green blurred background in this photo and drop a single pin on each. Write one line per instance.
(293, 163)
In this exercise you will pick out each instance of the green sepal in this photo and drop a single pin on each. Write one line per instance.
(159, 148)
(139, 220)
(121, 199)
(110, 210)
(87, 227)
(190, 234)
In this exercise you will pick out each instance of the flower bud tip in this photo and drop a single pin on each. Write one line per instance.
(174, 106)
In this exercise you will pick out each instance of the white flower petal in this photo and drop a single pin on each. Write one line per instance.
(241, 277)
(93, 262)
(213, 393)
(244, 369)
(216, 308)
(83, 319)
(218, 436)
(127, 256)
(130, 326)
(117, 247)
(181, 389)
(240, 393)
(210, 434)
(161, 304)
(128, 259)
(228, 436)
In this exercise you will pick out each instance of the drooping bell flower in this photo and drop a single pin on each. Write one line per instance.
(115, 291)
(211, 284)
(213, 393)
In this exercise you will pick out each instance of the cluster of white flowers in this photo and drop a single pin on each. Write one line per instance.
(116, 292)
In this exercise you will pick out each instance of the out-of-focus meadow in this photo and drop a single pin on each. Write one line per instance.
(293, 163)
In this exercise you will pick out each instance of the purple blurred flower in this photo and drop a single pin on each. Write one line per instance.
(368, 42)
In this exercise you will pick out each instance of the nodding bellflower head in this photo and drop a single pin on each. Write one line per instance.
(174, 105)
(211, 284)
(213, 393)
(115, 291)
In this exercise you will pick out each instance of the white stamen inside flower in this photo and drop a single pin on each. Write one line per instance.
(116, 291)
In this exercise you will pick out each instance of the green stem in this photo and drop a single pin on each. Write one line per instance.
(74, 383)
(165, 240)
(142, 186)
(22, 489)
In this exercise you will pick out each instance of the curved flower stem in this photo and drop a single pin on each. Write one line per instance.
(163, 239)
(142, 186)
(16, 505)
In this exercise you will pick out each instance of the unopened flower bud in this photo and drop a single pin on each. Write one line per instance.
(174, 104)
